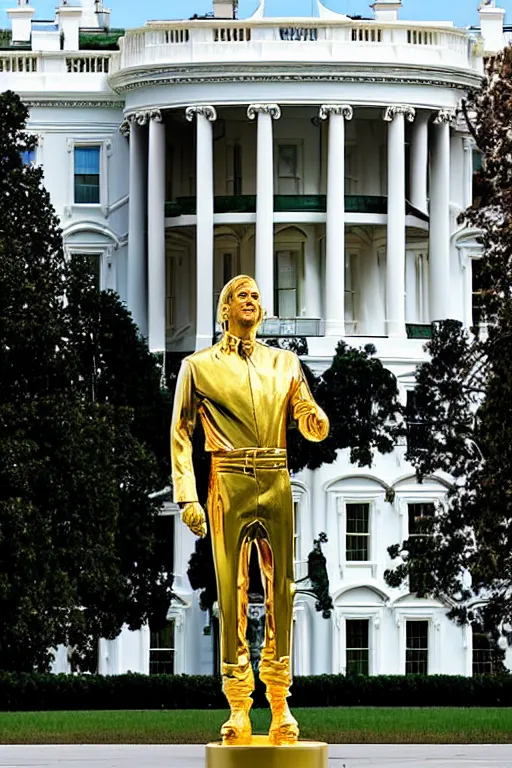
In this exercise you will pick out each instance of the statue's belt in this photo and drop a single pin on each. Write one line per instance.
(247, 460)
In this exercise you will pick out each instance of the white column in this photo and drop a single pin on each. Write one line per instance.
(205, 115)
(137, 272)
(395, 260)
(419, 162)
(439, 250)
(156, 233)
(264, 267)
(335, 227)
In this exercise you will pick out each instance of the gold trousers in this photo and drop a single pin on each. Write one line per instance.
(250, 502)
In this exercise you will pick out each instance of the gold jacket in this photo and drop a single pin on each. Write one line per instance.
(243, 402)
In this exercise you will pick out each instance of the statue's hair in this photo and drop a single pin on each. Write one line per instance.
(227, 293)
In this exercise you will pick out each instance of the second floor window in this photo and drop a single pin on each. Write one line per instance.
(87, 175)
(28, 157)
(357, 532)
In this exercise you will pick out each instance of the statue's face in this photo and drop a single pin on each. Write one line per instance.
(245, 308)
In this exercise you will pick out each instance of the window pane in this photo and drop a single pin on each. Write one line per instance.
(357, 647)
(420, 518)
(357, 548)
(476, 290)
(162, 650)
(357, 518)
(87, 161)
(28, 157)
(94, 263)
(164, 534)
(87, 189)
(416, 651)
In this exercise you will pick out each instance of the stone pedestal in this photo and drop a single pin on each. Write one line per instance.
(304, 754)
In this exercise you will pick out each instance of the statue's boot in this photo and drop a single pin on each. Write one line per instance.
(238, 684)
(277, 677)
(284, 728)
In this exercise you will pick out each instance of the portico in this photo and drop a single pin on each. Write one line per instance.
(241, 150)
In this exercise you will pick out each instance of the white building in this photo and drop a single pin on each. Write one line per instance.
(325, 156)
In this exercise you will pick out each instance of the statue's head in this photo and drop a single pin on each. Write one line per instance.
(239, 305)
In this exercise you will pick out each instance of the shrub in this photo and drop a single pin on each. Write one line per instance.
(43, 692)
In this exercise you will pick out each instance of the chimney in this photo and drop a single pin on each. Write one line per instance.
(69, 17)
(386, 10)
(21, 21)
(225, 9)
(491, 26)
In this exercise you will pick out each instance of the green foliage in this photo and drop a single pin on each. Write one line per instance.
(464, 397)
(81, 444)
(360, 397)
(5, 38)
(100, 41)
(32, 692)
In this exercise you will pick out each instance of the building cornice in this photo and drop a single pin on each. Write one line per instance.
(69, 102)
(136, 78)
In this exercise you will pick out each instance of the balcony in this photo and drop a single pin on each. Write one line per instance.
(56, 71)
(370, 204)
(279, 327)
(355, 42)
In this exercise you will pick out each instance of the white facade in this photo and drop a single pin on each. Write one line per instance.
(326, 157)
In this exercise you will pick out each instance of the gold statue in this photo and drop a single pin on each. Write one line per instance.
(246, 393)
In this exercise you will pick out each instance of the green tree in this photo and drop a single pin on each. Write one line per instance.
(464, 401)
(82, 425)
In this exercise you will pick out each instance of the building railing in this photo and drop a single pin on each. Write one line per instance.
(280, 327)
(323, 40)
(186, 206)
(56, 62)
(25, 61)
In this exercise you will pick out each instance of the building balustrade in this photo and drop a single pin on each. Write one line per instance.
(371, 204)
(280, 327)
(418, 330)
(260, 40)
(55, 62)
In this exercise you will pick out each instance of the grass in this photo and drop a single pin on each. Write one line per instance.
(336, 726)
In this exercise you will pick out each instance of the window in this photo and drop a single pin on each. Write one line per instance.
(164, 534)
(357, 647)
(162, 650)
(225, 268)
(350, 170)
(286, 298)
(237, 169)
(357, 532)
(289, 173)
(87, 175)
(416, 648)
(476, 292)
(350, 292)
(28, 157)
(420, 518)
(417, 431)
(486, 660)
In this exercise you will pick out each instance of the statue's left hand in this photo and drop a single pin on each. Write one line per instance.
(194, 517)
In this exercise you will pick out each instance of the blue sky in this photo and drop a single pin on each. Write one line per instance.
(129, 13)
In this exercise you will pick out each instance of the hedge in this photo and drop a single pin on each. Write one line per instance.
(43, 692)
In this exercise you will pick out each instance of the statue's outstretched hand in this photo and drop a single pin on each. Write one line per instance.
(194, 517)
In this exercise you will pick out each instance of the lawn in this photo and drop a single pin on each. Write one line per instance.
(336, 726)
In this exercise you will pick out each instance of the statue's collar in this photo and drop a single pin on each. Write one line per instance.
(231, 343)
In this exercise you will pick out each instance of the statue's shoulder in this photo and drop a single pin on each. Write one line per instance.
(203, 356)
(284, 355)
